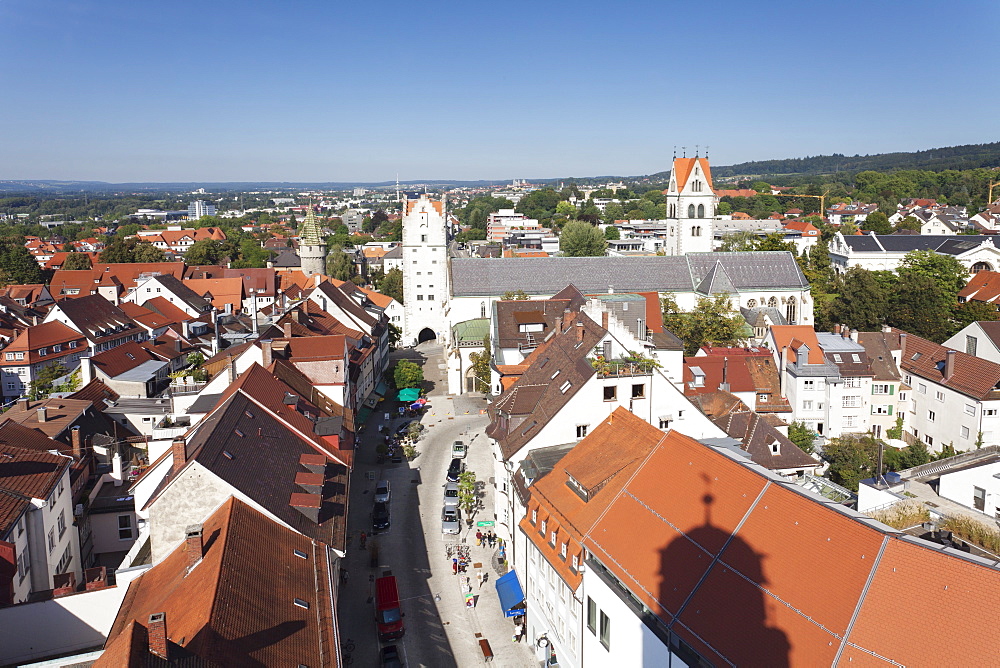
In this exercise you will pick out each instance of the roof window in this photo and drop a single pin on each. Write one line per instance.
(300, 554)
(855, 358)
(837, 358)
(227, 454)
(915, 356)
(565, 386)
(302, 604)
(239, 433)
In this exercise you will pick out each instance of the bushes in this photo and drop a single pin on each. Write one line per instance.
(903, 515)
(974, 531)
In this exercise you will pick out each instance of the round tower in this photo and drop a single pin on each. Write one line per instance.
(312, 247)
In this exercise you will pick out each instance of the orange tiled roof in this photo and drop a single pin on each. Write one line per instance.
(683, 167)
(794, 336)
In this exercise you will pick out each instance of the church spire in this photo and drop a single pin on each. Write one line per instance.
(309, 233)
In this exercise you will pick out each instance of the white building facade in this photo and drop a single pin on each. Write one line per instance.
(426, 287)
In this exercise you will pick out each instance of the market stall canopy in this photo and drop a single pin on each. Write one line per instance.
(409, 394)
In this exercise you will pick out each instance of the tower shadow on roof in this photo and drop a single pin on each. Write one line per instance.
(712, 586)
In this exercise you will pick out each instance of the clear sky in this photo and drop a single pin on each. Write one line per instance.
(219, 90)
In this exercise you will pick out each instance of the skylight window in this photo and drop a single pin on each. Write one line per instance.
(300, 554)
(565, 386)
(302, 604)
(837, 358)
(239, 433)
(855, 358)
(915, 357)
(227, 454)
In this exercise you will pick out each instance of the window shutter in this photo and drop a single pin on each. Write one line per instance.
(890, 410)
(892, 389)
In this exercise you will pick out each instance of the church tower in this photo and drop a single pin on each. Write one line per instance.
(690, 202)
(425, 270)
(312, 246)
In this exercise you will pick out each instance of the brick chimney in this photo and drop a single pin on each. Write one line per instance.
(307, 504)
(231, 368)
(836, 329)
(156, 629)
(23, 403)
(42, 414)
(580, 331)
(77, 442)
(95, 578)
(63, 583)
(949, 365)
(902, 346)
(287, 330)
(179, 451)
(194, 545)
(265, 347)
(604, 319)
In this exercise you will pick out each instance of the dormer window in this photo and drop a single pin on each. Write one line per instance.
(775, 447)
(43, 351)
(534, 517)
(542, 528)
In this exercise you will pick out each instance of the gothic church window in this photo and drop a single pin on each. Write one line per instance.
(690, 210)
(701, 210)
(772, 302)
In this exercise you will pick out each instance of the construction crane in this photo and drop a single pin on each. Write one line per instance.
(990, 199)
(821, 198)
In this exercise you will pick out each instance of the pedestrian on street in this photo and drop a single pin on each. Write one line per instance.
(454, 566)
(479, 578)
(479, 537)
(486, 576)
(493, 538)
(364, 539)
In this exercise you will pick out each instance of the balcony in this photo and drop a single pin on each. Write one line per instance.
(624, 367)
(167, 429)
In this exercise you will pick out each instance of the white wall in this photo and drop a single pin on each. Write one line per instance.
(958, 487)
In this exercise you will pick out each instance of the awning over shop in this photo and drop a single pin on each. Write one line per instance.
(363, 415)
(381, 389)
(410, 394)
(511, 595)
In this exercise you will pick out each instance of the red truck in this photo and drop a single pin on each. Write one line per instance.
(388, 615)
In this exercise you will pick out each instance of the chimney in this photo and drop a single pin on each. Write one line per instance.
(854, 335)
(315, 463)
(836, 329)
(949, 365)
(77, 442)
(231, 368)
(604, 319)
(287, 330)
(86, 371)
(194, 545)
(156, 629)
(265, 347)
(95, 578)
(579, 331)
(63, 583)
(23, 403)
(179, 451)
(307, 504)
(902, 346)
(42, 414)
(177, 345)
(845, 333)
(317, 279)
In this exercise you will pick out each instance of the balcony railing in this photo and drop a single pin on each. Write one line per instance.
(624, 367)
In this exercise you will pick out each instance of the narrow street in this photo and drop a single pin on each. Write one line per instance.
(440, 629)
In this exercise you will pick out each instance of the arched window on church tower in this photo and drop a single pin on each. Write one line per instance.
(482, 309)
(690, 210)
(790, 311)
(673, 210)
(772, 302)
(701, 210)
(696, 231)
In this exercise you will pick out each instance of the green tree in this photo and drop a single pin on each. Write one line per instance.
(473, 234)
(395, 334)
(862, 301)
(76, 261)
(407, 374)
(802, 436)
(612, 212)
(339, 264)
(17, 265)
(204, 252)
(131, 250)
(920, 306)
(566, 209)
(971, 312)
(852, 459)
(468, 500)
(392, 285)
(41, 386)
(611, 232)
(911, 223)
(515, 295)
(878, 223)
(712, 322)
(251, 255)
(581, 239)
(946, 271)
(481, 366)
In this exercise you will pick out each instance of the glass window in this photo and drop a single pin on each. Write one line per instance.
(939, 396)
(591, 615)
(124, 527)
(52, 540)
(610, 392)
(605, 630)
(581, 430)
(965, 432)
(931, 415)
(639, 391)
(970, 409)
(61, 522)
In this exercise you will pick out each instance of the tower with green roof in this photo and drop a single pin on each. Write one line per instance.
(312, 247)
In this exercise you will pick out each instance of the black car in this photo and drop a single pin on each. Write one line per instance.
(380, 516)
(390, 657)
(402, 429)
(454, 470)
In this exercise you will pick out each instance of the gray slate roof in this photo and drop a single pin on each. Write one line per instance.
(904, 243)
(761, 270)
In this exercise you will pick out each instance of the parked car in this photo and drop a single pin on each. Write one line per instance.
(403, 428)
(451, 520)
(455, 469)
(380, 516)
(458, 449)
(451, 494)
(382, 491)
(390, 657)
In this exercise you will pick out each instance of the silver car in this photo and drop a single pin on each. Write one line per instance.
(382, 491)
(451, 495)
(451, 520)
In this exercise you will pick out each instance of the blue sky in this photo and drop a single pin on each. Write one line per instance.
(337, 91)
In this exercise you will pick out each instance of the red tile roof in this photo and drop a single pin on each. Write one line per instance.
(27, 471)
(683, 167)
(715, 368)
(794, 336)
(983, 287)
(237, 606)
(122, 358)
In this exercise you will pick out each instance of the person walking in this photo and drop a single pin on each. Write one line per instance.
(479, 578)
(454, 566)
(479, 538)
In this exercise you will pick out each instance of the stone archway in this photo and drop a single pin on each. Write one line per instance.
(426, 334)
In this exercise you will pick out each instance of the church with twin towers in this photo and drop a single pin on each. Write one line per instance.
(427, 265)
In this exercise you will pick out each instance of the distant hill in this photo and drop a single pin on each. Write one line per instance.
(969, 156)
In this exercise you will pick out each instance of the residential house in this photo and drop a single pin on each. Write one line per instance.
(195, 606)
(301, 479)
(36, 348)
(38, 536)
(849, 212)
(131, 370)
(983, 287)
(171, 289)
(103, 324)
(876, 252)
(979, 339)
(29, 295)
(225, 294)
